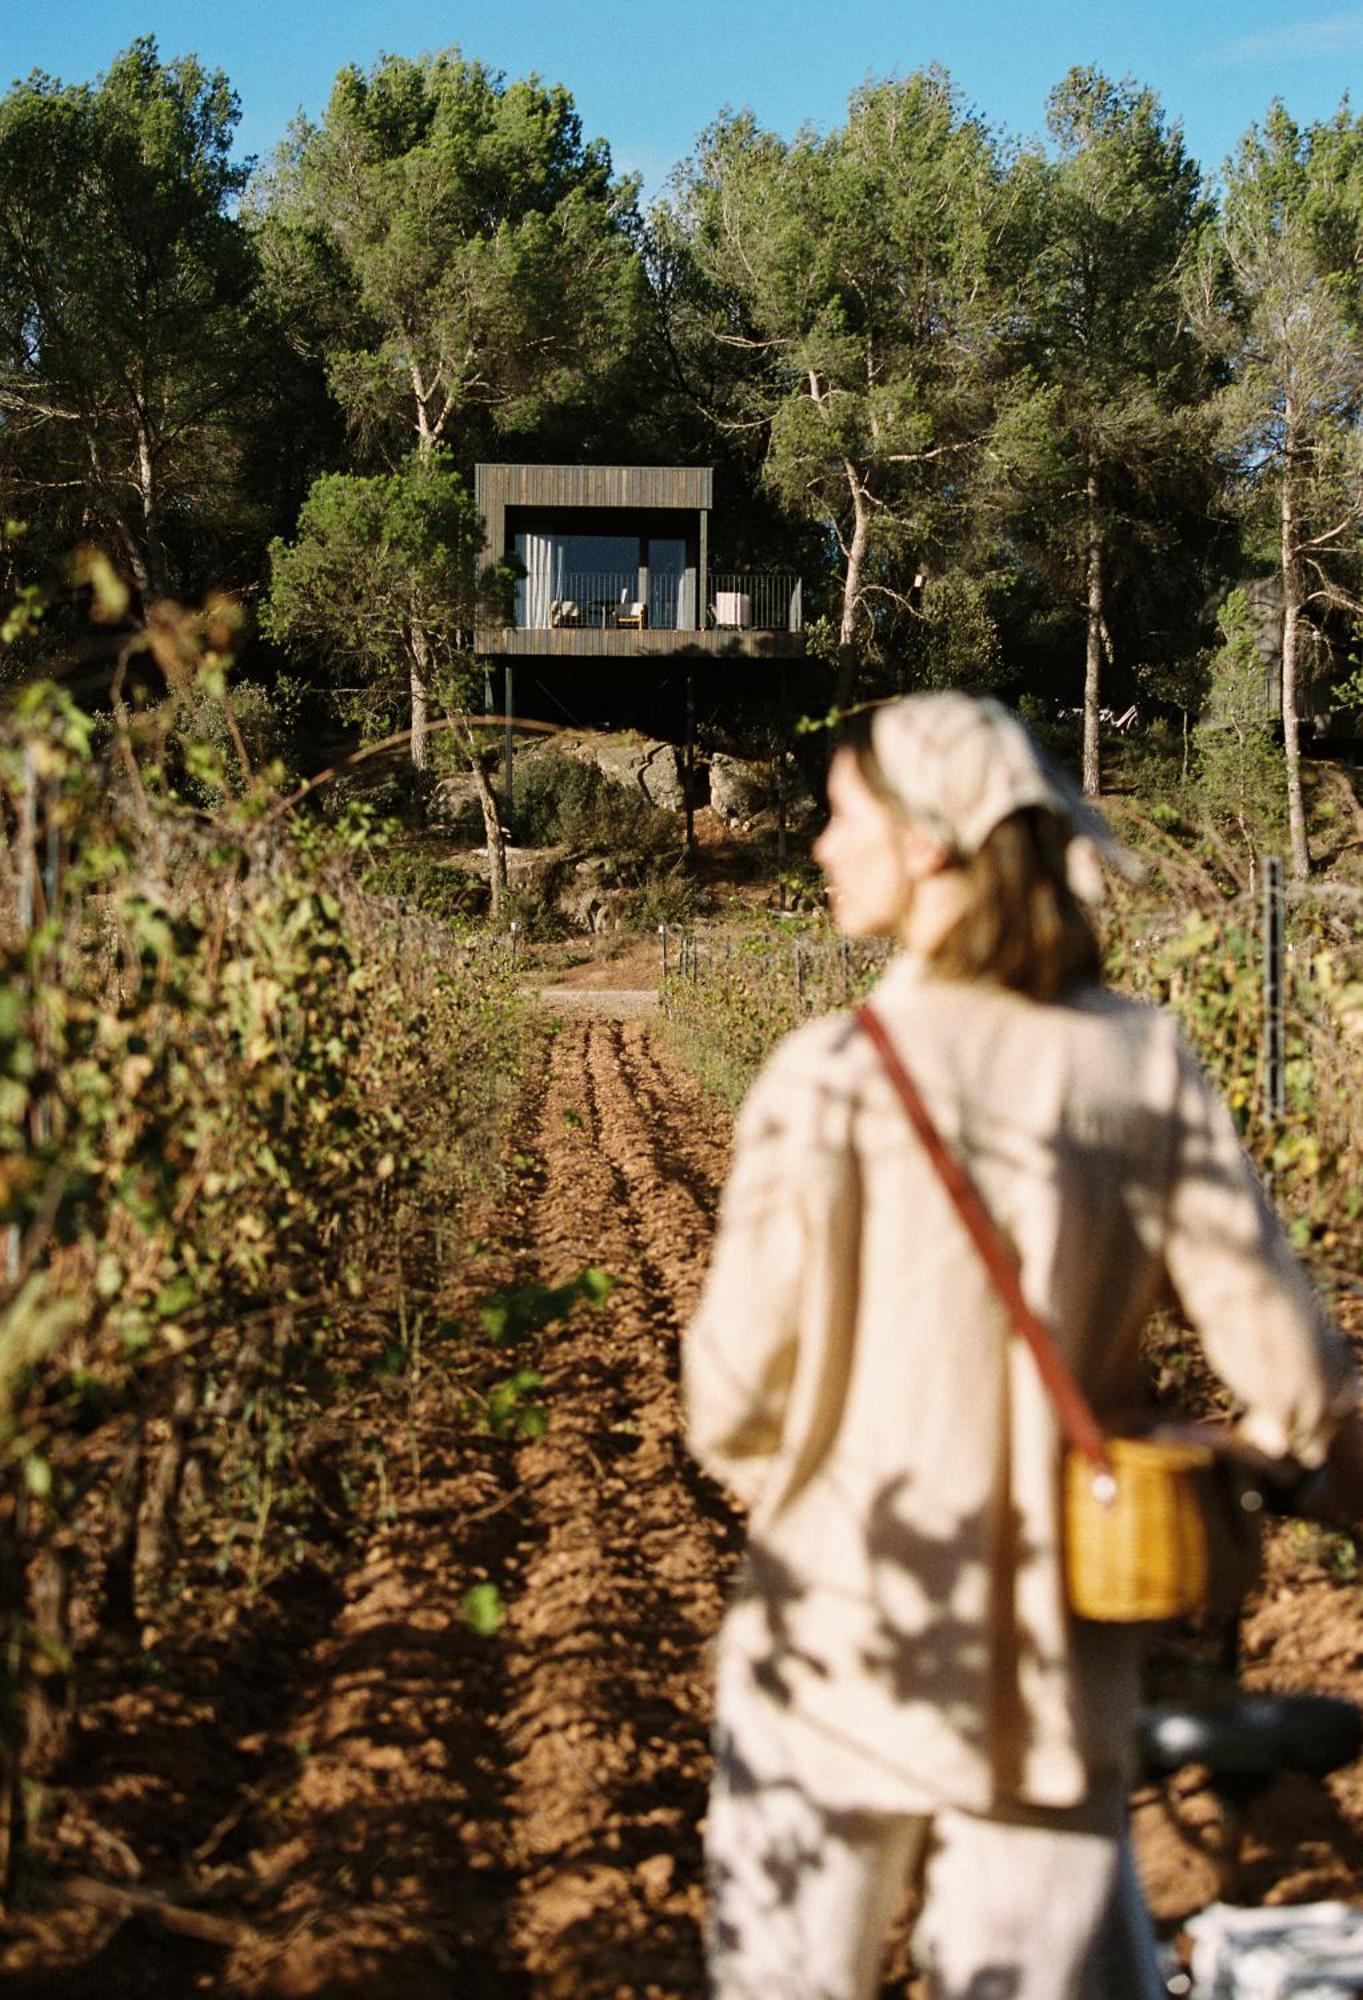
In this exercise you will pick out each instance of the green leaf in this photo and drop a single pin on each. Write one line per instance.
(596, 1285)
(483, 1609)
(37, 1476)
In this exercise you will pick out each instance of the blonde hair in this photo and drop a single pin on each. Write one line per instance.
(1022, 926)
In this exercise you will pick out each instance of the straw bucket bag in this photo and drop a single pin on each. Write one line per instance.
(1157, 1526)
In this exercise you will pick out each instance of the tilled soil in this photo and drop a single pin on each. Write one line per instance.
(349, 1791)
(344, 1790)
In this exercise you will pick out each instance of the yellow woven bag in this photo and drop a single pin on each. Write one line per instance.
(1169, 1529)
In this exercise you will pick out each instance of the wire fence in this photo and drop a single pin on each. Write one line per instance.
(785, 981)
(817, 973)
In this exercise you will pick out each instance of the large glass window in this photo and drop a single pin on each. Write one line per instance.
(576, 579)
(668, 595)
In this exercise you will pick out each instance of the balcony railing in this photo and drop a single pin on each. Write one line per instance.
(625, 599)
(764, 602)
(632, 600)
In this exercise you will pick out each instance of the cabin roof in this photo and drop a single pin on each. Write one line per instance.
(497, 487)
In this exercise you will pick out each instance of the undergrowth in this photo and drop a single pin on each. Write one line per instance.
(1187, 938)
(246, 1109)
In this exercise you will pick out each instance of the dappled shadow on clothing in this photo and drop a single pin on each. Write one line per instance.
(770, 1885)
(919, 1597)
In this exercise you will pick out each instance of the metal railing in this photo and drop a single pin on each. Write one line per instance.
(758, 602)
(606, 599)
(612, 599)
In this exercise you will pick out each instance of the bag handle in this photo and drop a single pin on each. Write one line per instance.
(1077, 1420)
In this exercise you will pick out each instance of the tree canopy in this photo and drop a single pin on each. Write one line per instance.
(472, 256)
(1022, 415)
(127, 349)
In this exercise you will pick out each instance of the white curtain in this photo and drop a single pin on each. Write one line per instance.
(537, 589)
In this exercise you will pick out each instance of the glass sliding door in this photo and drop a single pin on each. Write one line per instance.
(671, 585)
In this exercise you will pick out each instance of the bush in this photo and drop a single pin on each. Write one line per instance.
(235, 1090)
(565, 799)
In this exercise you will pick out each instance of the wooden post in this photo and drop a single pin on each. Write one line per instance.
(689, 765)
(662, 934)
(702, 605)
(1274, 951)
(508, 750)
(782, 734)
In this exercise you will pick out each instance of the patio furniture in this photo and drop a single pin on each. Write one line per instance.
(632, 617)
(564, 611)
(733, 608)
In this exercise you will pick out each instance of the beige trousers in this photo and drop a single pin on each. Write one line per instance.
(1038, 1905)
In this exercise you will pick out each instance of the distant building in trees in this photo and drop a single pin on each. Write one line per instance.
(616, 563)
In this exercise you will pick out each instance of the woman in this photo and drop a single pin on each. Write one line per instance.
(902, 1692)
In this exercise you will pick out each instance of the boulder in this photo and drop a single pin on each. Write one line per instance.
(454, 806)
(590, 906)
(741, 788)
(650, 766)
(645, 764)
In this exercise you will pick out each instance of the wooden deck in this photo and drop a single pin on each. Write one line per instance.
(592, 642)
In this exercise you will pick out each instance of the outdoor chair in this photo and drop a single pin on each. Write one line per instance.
(564, 611)
(733, 608)
(632, 617)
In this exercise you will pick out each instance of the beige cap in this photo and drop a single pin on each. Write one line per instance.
(960, 763)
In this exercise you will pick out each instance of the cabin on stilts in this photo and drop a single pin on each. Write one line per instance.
(616, 566)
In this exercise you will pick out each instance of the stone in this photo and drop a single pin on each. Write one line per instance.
(588, 906)
(647, 764)
(739, 790)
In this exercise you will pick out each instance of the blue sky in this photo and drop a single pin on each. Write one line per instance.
(649, 76)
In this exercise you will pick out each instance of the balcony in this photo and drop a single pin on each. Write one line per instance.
(622, 613)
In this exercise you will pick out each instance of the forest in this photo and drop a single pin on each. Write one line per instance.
(356, 1590)
(1058, 419)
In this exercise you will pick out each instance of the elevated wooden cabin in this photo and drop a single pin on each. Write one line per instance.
(617, 566)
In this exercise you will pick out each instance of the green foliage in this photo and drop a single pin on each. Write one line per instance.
(725, 1006)
(1208, 969)
(507, 1317)
(379, 582)
(853, 272)
(1100, 435)
(233, 1092)
(483, 1609)
(128, 307)
(566, 799)
(419, 880)
(957, 643)
(1186, 947)
(1239, 762)
(459, 248)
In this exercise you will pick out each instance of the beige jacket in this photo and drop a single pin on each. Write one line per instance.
(850, 1373)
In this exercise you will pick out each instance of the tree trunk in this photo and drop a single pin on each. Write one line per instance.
(851, 584)
(420, 660)
(14, 1554)
(1093, 653)
(153, 558)
(492, 827)
(156, 1525)
(1291, 577)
